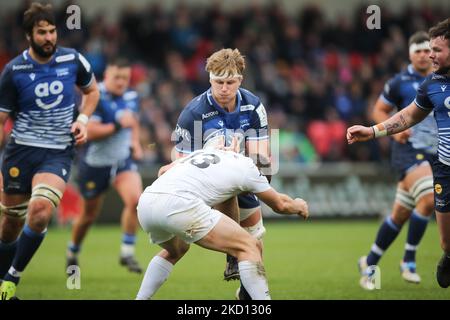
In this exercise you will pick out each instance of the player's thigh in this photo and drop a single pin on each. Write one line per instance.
(413, 176)
(129, 186)
(227, 236)
(443, 222)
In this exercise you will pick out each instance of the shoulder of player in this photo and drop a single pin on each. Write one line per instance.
(19, 63)
(130, 95)
(196, 107)
(249, 98)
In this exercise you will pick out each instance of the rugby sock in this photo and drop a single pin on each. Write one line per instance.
(73, 250)
(158, 271)
(386, 235)
(417, 226)
(127, 246)
(28, 243)
(253, 277)
(7, 252)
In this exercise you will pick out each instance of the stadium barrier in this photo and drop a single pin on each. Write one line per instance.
(333, 190)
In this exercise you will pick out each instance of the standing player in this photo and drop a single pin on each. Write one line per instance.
(113, 146)
(432, 94)
(38, 88)
(411, 157)
(222, 112)
(176, 211)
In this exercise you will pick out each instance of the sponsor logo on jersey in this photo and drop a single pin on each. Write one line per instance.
(209, 114)
(45, 89)
(22, 67)
(62, 72)
(443, 87)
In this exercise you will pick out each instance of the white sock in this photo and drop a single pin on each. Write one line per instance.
(253, 277)
(126, 250)
(158, 271)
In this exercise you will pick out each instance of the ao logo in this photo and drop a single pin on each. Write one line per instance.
(44, 89)
(447, 104)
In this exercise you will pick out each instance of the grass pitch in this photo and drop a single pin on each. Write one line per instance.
(303, 260)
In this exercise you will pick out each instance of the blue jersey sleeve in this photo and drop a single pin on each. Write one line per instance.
(391, 93)
(184, 133)
(422, 100)
(259, 125)
(85, 76)
(8, 91)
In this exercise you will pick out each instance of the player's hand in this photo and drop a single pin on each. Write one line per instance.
(235, 147)
(137, 152)
(127, 119)
(402, 137)
(359, 133)
(79, 132)
(302, 206)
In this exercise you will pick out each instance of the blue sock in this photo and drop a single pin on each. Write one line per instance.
(27, 245)
(417, 226)
(386, 235)
(7, 252)
(74, 248)
(128, 238)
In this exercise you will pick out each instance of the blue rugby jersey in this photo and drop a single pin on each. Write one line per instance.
(434, 94)
(203, 120)
(43, 97)
(399, 92)
(114, 148)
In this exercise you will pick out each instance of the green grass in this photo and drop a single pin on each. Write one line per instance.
(304, 260)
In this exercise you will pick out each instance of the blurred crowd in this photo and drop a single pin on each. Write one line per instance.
(315, 77)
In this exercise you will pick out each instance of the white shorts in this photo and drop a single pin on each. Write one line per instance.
(164, 216)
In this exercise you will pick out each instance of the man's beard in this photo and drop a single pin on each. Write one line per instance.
(40, 51)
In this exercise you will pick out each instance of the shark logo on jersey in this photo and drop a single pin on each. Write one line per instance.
(32, 76)
(44, 89)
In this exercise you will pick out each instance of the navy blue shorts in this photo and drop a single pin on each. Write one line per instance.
(441, 181)
(404, 156)
(20, 163)
(248, 201)
(93, 181)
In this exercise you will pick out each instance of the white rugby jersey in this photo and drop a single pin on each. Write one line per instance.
(212, 176)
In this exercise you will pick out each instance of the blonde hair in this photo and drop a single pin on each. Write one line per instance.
(226, 63)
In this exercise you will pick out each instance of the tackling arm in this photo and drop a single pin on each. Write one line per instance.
(283, 204)
(400, 121)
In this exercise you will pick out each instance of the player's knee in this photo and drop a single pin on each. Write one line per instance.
(257, 231)
(46, 195)
(425, 205)
(18, 211)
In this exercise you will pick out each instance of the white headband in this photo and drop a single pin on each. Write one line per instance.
(213, 76)
(419, 46)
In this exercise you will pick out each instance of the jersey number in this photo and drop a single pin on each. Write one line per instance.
(203, 161)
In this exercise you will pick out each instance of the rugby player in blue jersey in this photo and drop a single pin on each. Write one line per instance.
(226, 111)
(108, 158)
(412, 152)
(38, 89)
(432, 95)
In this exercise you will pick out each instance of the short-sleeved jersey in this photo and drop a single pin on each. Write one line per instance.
(398, 93)
(115, 148)
(212, 176)
(42, 96)
(434, 94)
(203, 121)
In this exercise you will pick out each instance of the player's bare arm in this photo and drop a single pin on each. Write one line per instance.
(381, 112)
(90, 99)
(283, 204)
(400, 121)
